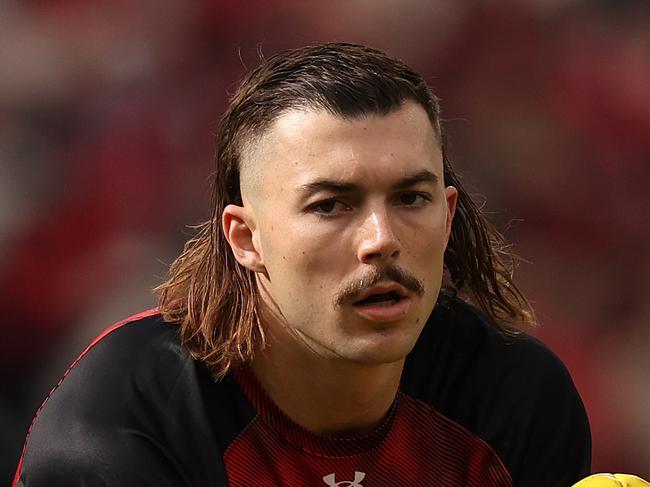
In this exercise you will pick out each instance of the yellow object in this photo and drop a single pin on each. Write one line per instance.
(609, 480)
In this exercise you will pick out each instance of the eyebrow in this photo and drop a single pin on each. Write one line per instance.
(337, 186)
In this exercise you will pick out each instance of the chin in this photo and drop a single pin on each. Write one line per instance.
(384, 349)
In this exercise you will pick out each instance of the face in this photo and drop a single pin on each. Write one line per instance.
(345, 223)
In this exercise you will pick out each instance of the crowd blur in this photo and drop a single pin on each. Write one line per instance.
(107, 115)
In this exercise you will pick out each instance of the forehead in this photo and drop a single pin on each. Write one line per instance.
(303, 145)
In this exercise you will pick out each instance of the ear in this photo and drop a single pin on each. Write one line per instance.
(451, 195)
(239, 228)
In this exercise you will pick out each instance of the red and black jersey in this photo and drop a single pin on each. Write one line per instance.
(475, 408)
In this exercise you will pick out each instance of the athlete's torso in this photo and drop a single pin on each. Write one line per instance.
(475, 408)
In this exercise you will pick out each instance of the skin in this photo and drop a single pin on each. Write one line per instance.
(328, 367)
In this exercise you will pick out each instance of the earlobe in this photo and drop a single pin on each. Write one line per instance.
(239, 229)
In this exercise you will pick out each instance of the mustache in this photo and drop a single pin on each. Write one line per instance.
(352, 290)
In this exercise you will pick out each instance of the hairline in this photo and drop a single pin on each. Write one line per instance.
(251, 139)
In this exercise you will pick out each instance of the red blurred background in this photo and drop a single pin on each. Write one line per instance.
(107, 114)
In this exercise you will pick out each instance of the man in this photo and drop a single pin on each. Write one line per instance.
(302, 337)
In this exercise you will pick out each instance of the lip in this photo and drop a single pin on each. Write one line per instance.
(383, 313)
(382, 289)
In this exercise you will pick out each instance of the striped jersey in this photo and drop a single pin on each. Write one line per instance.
(475, 407)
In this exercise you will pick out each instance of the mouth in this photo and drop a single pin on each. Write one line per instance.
(383, 306)
(380, 299)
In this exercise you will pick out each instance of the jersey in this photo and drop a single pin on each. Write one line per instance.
(475, 407)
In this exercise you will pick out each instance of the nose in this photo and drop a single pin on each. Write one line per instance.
(379, 245)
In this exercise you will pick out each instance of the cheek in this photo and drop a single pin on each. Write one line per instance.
(425, 235)
(301, 260)
(424, 249)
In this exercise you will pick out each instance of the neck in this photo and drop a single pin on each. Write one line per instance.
(326, 395)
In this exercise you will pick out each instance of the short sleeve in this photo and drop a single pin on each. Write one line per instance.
(551, 446)
(85, 455)
(130, 411)
(509, 390)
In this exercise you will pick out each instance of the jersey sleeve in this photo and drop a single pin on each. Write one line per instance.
(88, 456)
(550, 443)
(129, 411)
(511, 391)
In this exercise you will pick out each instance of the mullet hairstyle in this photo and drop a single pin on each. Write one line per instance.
(215, 300)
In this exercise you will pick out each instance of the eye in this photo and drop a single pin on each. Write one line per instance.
(325, 206)
(413, 199)
(329, 208)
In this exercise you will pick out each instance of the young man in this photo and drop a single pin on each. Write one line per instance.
(302, 337)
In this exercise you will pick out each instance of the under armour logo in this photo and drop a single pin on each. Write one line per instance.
(331, 480)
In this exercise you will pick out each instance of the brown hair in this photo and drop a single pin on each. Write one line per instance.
(214, 299)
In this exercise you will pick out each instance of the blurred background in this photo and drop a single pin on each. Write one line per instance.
(107, 115)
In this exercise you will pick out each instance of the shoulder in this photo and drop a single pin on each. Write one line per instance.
(459, 348)
(139, 355)
(130, 410)
(124, 357)
(511, 391)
